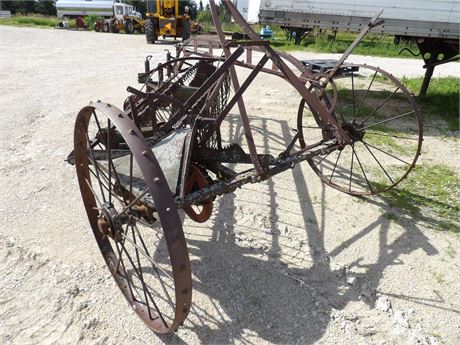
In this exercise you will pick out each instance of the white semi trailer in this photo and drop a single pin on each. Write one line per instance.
(248, 9)
(434, 25)
(74, 8)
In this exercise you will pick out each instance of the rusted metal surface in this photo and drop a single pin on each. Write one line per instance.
(166, 152)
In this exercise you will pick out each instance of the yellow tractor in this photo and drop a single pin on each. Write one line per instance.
(163, 20)
(125, 18)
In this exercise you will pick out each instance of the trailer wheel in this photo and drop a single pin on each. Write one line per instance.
(150, 32)
(129, 26)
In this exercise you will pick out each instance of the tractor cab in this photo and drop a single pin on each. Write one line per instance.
(121, 11)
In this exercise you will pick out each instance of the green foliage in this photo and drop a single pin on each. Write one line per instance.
(330, 42)
(430, 194)
(204, 17)
(441, 100)
(44, 7)
(90, 21)
(40, 21)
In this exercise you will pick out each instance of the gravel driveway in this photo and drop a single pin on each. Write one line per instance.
(285, 261)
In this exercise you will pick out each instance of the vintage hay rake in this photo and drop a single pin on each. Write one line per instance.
(165, 151)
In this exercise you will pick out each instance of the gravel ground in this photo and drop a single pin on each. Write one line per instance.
(285, 261)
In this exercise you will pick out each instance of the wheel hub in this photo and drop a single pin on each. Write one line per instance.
(108, 223)
(354, 130)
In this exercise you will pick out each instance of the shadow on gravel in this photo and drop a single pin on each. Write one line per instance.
(264, 300)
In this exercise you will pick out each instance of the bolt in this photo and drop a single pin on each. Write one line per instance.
(156, 179)
(120, 115)
(131, 131)
(108, 105)
(168, 209)
(145, 153)
(98, 101)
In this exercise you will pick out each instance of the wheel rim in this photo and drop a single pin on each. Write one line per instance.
(148, 259)
(381, 117)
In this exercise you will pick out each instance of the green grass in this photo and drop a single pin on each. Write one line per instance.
(34, 21)
(431, 194)
(372, 44)
(441, 101)
(389, 143)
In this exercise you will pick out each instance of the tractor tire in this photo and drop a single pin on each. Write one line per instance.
(113, 26)
(105, 27)
(185, 30)
(129, 26)
(150, 31)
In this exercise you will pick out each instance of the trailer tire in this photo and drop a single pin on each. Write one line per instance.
(129, 26)
(150, 32)
(113, 26)
(185, 30)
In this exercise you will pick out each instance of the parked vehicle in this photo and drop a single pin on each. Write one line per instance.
(74, 8)
(433, 25)
(163, 20)
(125, 18)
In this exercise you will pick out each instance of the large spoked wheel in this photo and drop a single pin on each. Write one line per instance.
(133, 216)
(384, 123)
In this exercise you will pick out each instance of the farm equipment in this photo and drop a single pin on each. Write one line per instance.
(163, 20)
(101, 25)
(125, 18)
(167, 151)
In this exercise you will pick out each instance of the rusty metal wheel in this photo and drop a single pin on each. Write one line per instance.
(385, 126)
(133, 216)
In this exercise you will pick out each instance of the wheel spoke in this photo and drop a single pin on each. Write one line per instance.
(388, 120)
(93, 161)
(378, 162)
(322, 159)
(98, 202)
(351, 169)
(145, 289)
(335, 166)
(364, 98)
(387, 153)
(379, 106)
(155, 268)
(389, 135)
(353, 93)
(362, 169)
(132, 203)
(120, 259)
(106, 188)
(148, 257)
(110, 162)
(109, 157)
